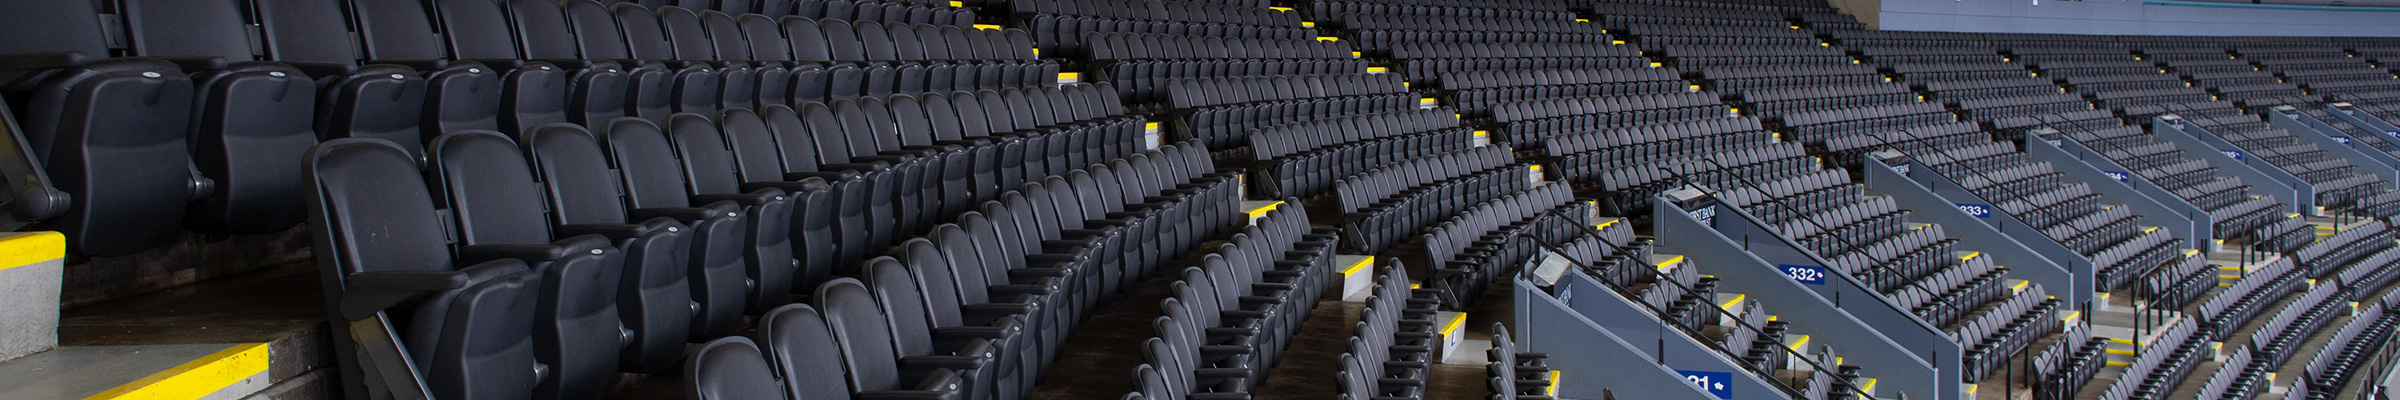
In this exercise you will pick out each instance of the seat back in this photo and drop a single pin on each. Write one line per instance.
(863, 333)
(252, 119)
(110, 133)
(373, 215)
(732, 368)
(483, 177)
(651, 176)
(804, 352)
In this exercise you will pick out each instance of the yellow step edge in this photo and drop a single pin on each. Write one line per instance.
(1868, 388)
(1308, 24)
(1456, 326)
(958, 4)
(197, 378)
(2118, 364)
(1552, 391)
(1605, 224)
(2120, 351)
(1151, 126)
(1361, 265)
(1284, 9)
(2190, 252)
(1377, 70)
(1070, 76)
(2150, 229)
(2070, 318)
(2019, 287)
(1328, 39)
(29, 248)
(1736, 300)
(987, 26)
(1770, 318)
(1669, 263)
(1427, 100)
(2125, 341)
(1263, 209)
(1415, 286)
(1800, 343)
(1970, 256)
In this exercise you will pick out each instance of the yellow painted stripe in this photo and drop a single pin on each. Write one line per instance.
(1151, 126)
(1652, 65)
(1605, 224)
(1308, 24)
(1361, 265)
(1582, 20)
(1285, 9)
(1736, 300)
(987, 26)
(1070, 76)
(1869, 388)
(1037, 52)
(1358, 54)
(1377, 70)
(1616, 42)
(2190, 252)
(1427, 100)
(1456, 326)
(1553, 389)
(31, 247)
(1970, 256)
(2070, 318)
(197, 378)
(2125, 341)
(1535, 169)
(2150, 229)
(1328, 39)
(1415, 286)
(1802, 342)
(2019, 287)
(1670, 262)
(2119, 364)
(1482, 133)
(958, 4)
(1262, 210)
(2120, 351)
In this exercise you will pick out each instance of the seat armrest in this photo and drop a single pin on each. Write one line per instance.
(35, 60)
(804, 184)
(621, 231)
(366, 293)
(751, 199)
(196, 63)
(857, 167)
(529, 253)
(687, 215)
(420, 65)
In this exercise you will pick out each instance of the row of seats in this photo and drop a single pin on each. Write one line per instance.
(1161, 10)
(1222, 111)
(1395, 343)
(2330, 255)
(2226, 311)
(2005, 329)
(2069, 363)
(2165, 361)
(1382, 207)
(1477, 90)
(1231, 317)
(1306, 159)
(2366, 334)
(1481, 245)
(1515, 375)
(1062, 35)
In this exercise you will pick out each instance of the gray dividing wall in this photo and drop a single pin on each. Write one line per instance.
(2123, 17)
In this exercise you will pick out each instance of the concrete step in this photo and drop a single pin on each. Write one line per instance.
(254, 335)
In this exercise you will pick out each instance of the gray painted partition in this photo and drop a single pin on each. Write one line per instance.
(1972, 234)
(1590, 359)
(2257, 173)
(1895, 369)
(1633, 323)
(1923, 340)
(2156, 206)
(2365, 120)
(2309, 130)
(2080, 274)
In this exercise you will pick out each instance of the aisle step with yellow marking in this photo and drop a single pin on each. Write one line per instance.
(1358, 276)
(1454, 331)
(184, 371)
(1666, 262)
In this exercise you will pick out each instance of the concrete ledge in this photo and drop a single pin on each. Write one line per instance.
(31, 267)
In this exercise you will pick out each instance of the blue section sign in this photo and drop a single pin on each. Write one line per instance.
(2236, 154)
(2342, 139)
(2120, 176)
(1977, 210)
(1716, 383)
(1809, 274)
